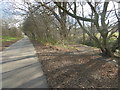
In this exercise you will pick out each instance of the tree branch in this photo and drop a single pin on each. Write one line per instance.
(73, 15)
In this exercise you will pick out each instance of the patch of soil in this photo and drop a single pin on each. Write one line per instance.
(83, 68)
(6, 44)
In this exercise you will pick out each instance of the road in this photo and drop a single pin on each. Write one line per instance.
(21, 68)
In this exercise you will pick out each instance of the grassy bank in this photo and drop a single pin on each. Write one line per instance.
(9, 38)
(6, 41)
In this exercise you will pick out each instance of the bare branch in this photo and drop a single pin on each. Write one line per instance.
(75, 16)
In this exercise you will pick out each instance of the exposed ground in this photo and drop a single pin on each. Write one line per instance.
(78, 67)
(6, 42)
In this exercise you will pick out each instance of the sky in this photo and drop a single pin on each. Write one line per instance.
(2, 9)
(7, 13)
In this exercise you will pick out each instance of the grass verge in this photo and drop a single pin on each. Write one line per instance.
(6, 41)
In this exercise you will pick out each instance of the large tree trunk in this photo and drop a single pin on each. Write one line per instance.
(83, 25)
(63, 31)
(106, 51)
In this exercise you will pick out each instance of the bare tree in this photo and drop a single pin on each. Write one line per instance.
(61, 18)
(102, 29)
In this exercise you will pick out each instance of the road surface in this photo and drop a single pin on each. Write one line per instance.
(21, 68)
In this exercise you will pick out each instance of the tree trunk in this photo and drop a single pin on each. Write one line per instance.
(63, 31)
